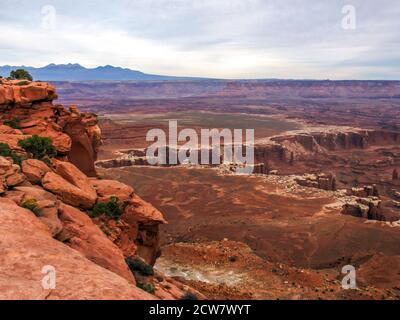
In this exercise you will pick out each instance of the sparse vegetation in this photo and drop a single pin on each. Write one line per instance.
(40, 148)
(148, 287)
(189, 296)
(20, 74)
(22, 83)
(138, 265)
(113, 209)
(13, 123)
(233, 259)
(6, 151)
(31, 205)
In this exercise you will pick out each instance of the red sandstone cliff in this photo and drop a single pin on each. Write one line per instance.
(75, 135)
(45, 211)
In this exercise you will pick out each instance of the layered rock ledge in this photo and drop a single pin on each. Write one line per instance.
(99, 236)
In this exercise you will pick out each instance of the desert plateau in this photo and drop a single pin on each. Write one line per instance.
(324, 193)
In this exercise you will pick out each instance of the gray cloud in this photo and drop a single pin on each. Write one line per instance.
(221, 38)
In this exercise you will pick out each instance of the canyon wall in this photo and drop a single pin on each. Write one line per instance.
(99, 236)
(306, 145)
(75, 135)
(253, 89)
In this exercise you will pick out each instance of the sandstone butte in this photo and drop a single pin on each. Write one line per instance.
(89, 255)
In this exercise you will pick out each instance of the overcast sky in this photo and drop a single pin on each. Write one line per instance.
(214, 38)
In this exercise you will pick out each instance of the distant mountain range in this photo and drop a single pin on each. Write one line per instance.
(76, 72)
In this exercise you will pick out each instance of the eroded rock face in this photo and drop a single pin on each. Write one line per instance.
(55, 229)
(86, 139)
(47, 205)
(76, 177)
(148, 220)
(302, 145)
(34, 170)
(13, 92)
(109, 188)
(367, 208)
(74, 134)
(68, 192)
(10, 175)
(142, 211)
(321, 181)
(364, 192)
(81, 234)
(137, 232)
(23, 237)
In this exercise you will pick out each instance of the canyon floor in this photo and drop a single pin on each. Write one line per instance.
(266, 236)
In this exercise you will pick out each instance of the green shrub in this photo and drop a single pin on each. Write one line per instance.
(138, 265)
(38, 147)
(189, 296)
(22, 83)
(20, 74)
(31, 205)
(13, 123)
(113, 209)
(148, 287)
(6, 151)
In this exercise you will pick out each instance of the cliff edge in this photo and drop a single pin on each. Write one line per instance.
(98, 237)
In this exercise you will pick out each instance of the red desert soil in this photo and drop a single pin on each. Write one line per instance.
(279, 225)
(228, 269)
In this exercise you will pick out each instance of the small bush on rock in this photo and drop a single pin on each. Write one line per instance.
(13, 123)
(38, 147)
(31, 205)
(189, 296)
(22, 83)
(148, 287)
(6, 151)
(20, 74)
(113, 209)
(138, 265)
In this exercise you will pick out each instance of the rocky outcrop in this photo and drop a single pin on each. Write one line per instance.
(302, 145)
(21, 92)
(86, 139)
(367, 208)
(147, 218)
(81, 234)
(110, 188)
(75, 135)
(43, 203)
(76, 177)
(67, 192)
(322, 140)
(137, 232)
(53, 214)
(106, 241)
(10, 175)
(364, 192)
(29, 256)
(34, 170)
(321, 181)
